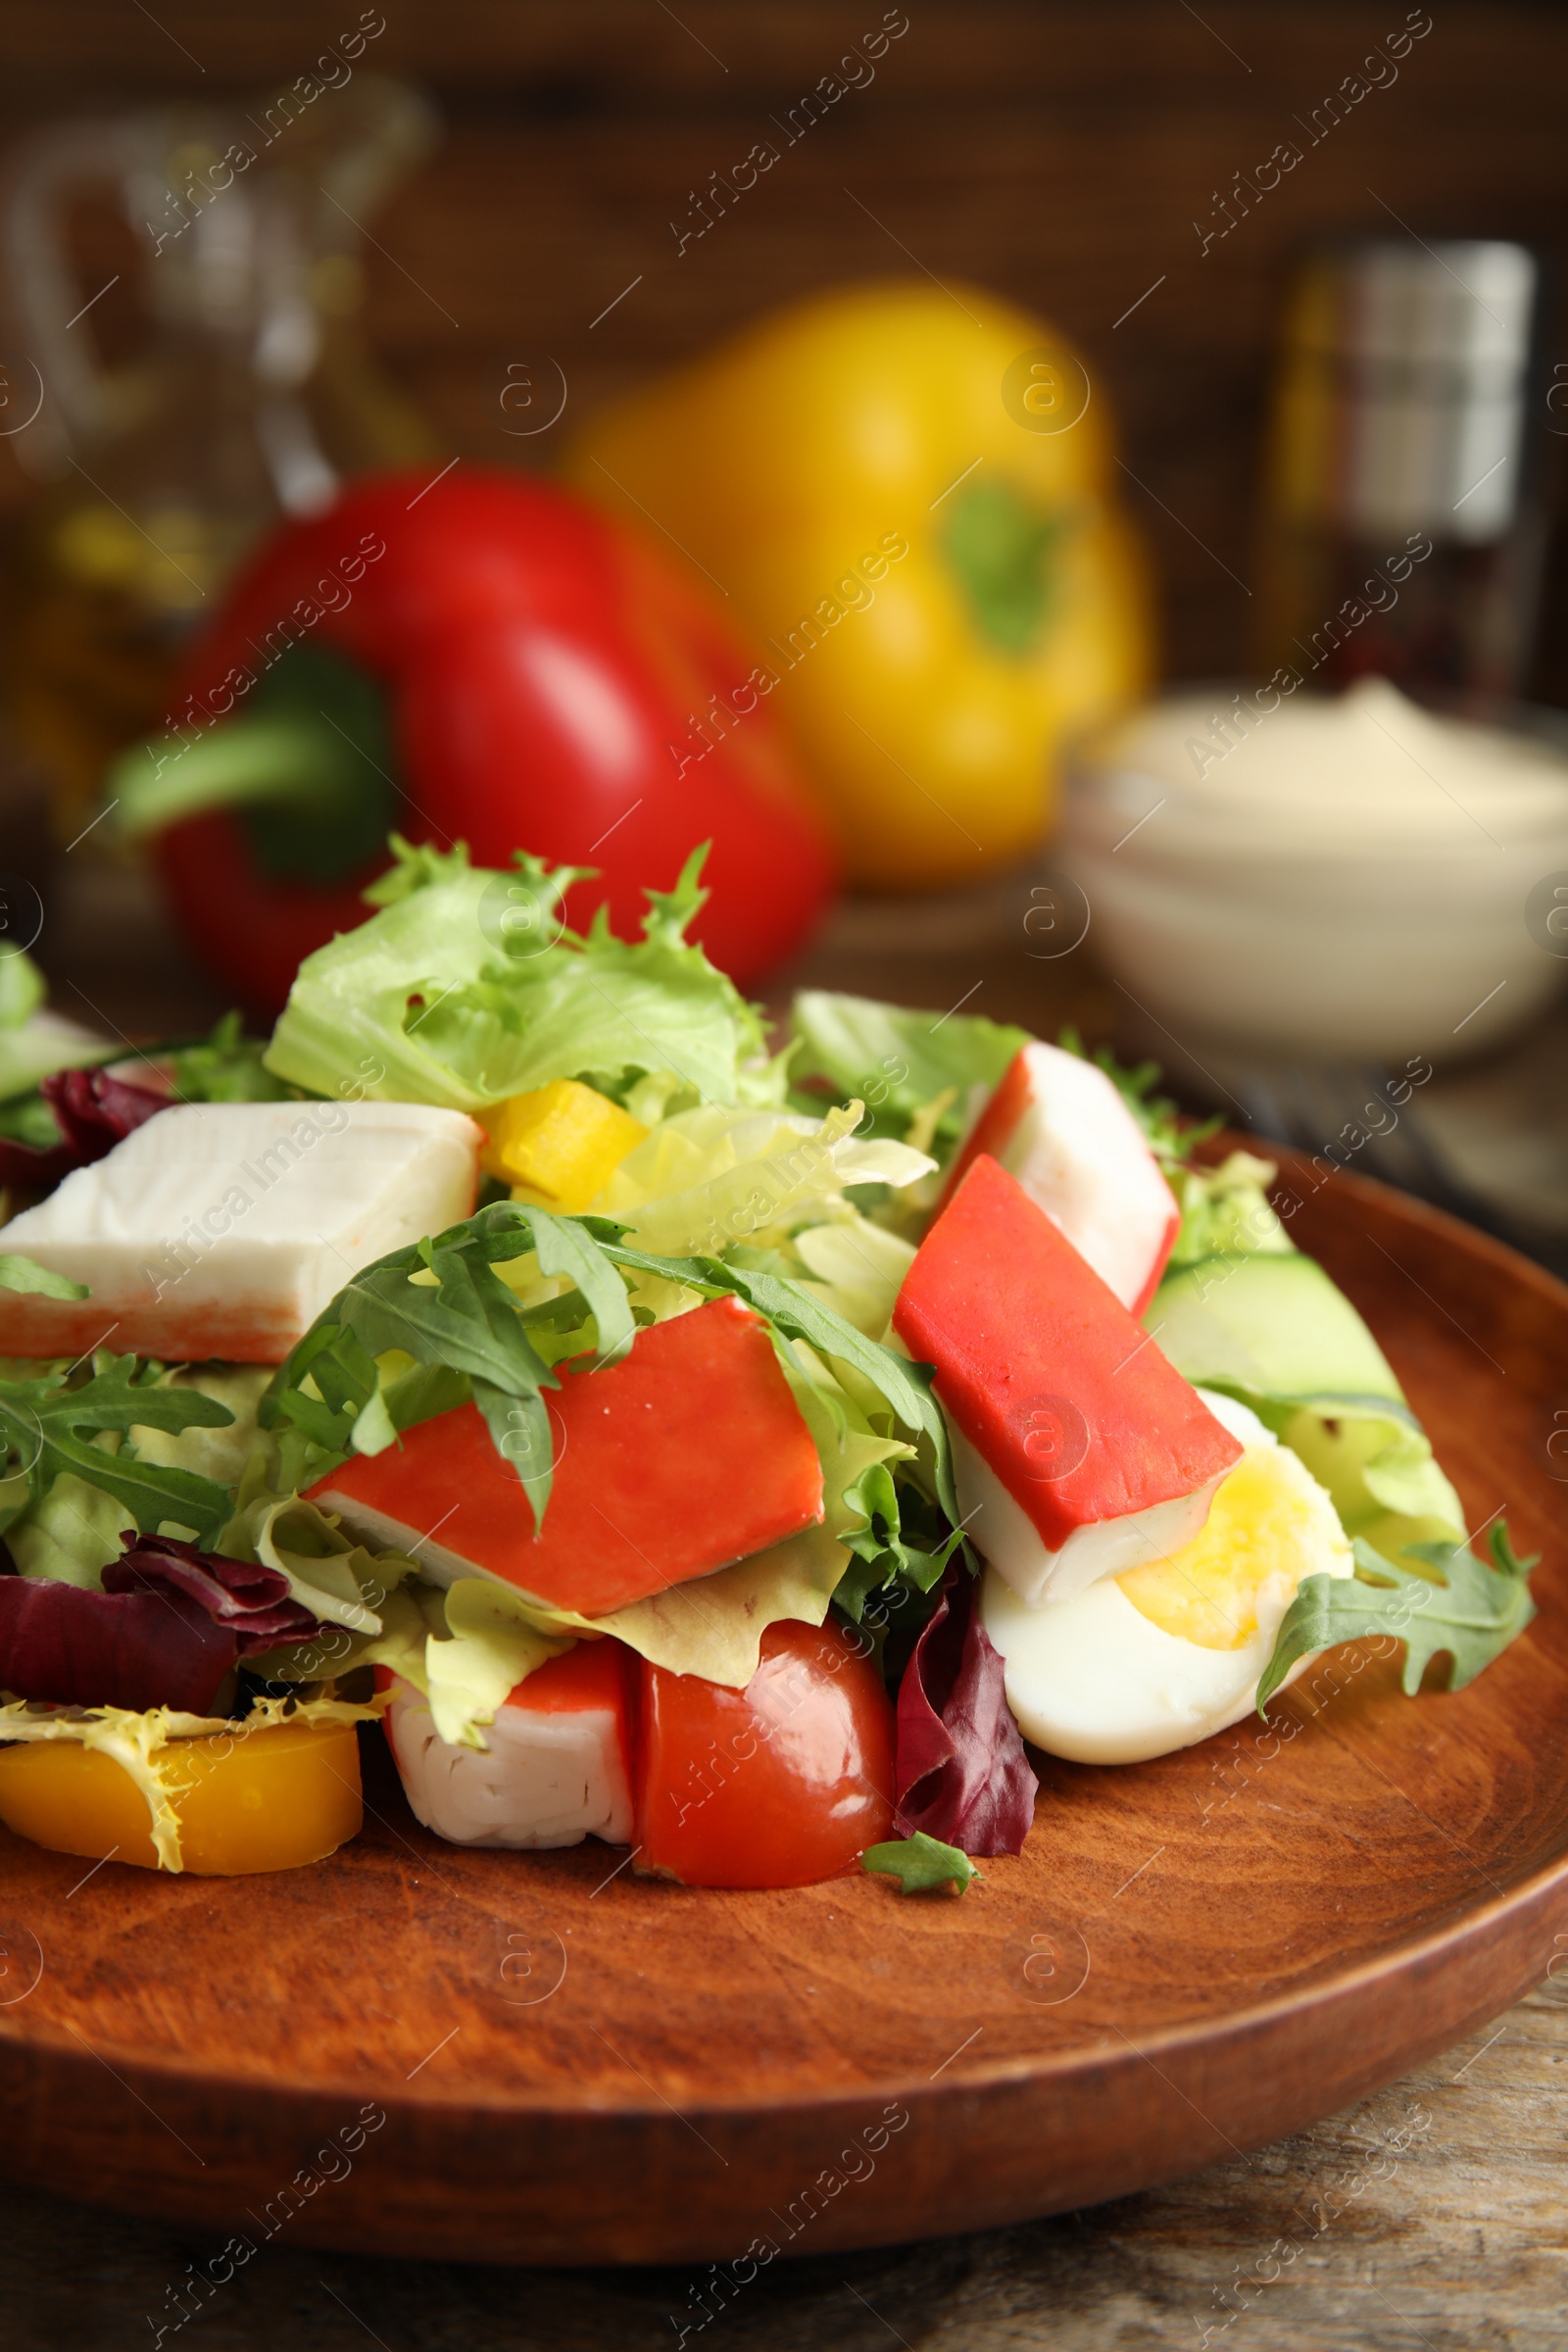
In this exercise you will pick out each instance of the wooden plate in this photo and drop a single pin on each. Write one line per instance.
(421, 2050)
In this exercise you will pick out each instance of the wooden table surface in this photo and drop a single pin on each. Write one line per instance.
(1432, 2214)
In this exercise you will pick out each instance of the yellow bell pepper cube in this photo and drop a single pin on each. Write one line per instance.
(558, 1146)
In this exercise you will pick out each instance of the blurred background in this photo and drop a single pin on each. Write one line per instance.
(1203, 368)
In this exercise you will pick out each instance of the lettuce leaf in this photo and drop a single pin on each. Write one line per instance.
(1226, 1211)
(487, 1651)
(223, 1452)
(71, 1533)
(326, 1572)
(856, 1267)
(896, 1060)
(709, 1177)
(466, 988)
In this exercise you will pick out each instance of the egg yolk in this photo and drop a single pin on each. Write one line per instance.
(1258, 1536)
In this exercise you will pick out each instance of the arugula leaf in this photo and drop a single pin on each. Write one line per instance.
(883, 1558)
(1473, 1613)
(920, 1863)
(26, 1274)
(44, 1431)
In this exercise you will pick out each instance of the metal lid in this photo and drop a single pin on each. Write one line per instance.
(1407, 371)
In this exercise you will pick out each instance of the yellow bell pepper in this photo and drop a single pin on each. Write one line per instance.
(907, 496)
(558, 1146)
(271, 1800)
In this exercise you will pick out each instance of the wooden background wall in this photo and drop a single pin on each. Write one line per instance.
(1058, 153)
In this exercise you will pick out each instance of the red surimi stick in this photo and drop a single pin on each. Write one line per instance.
(688, 1454)
(1057, 1389)
(1060, 1125)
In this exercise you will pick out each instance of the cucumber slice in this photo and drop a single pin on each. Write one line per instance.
(1275, 1332)
(1272, 1323)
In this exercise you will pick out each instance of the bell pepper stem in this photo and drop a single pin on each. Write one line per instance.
(279, 758)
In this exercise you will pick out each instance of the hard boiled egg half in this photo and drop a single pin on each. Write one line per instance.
(1171, 1650)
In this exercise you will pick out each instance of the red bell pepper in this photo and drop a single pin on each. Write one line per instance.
(482, 658)
(688, 1454)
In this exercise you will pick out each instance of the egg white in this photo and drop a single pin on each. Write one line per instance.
(1093, 1678)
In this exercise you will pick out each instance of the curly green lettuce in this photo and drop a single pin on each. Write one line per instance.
(897, 1061)
(465, 987)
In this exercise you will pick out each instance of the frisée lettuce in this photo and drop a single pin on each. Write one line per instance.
(896, 1060)
(35, 1043)
(467, 988)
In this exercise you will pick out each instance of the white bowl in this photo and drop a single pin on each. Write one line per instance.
(1318, 920)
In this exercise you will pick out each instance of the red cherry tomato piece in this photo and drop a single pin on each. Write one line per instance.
(784, 1782)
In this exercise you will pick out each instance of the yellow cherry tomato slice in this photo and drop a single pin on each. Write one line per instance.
(273, 1800)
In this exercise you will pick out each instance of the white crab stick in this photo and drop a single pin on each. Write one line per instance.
(1022, 1556)
(1058, 1124)
(222, 1229)
(558, 1768)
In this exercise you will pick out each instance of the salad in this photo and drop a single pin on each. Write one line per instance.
(740, 1455)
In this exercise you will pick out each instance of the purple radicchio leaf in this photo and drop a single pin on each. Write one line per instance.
(248, 1599)
(94, 1114)
(961, 1773)
(166, 1630)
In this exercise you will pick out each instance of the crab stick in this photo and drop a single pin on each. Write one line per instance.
(222, 1229)
(1079, 1451)
(558, 1768)
(1060, 1125)
(688, 1454)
